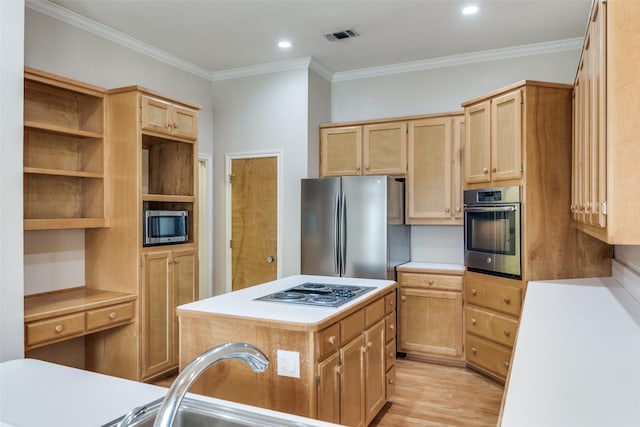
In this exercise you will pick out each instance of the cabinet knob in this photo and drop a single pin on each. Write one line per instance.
(170, 124)
(447, 210)
(59, 328)
(473, 321)
(485, 171)
(113, 315)
(392, 354)
(458, 209)
(430, 282)
(369, 344)
(474, 350)
(403, 298)
(332, 339)
(506, 365)
(507, 333)
(507, 299)
(270, 259)
(390, 381)
(494, 169)
(392, 326)
(473, 291)
(392, 302)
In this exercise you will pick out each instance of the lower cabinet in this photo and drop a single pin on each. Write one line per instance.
(168, 280)
(430, 314)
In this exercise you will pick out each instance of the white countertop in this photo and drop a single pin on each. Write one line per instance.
(242, 303)
(432, 266)
(38, 394)
(577, 354)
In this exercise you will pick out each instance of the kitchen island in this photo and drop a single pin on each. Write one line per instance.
(333, 364)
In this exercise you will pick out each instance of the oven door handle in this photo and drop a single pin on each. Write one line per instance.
(491, 209)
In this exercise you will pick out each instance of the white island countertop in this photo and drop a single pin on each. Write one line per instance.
(242, 304)
(577, 354)
(34, 393)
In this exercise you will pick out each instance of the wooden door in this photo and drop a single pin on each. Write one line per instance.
(478, 139)
(352, 383)
(375, 373)
(384, 149)
(157, 318)
(430, 322)
(458, 161)
(429, 175)
(506, 136)
(328, 396)
(155, 114)
(254, 213)
(185, 285)
(341, 151)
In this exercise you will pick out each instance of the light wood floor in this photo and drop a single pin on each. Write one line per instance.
(435, 395)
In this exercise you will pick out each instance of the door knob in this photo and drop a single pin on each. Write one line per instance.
(270, 259)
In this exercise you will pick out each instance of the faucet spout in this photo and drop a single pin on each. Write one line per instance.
(255, 358)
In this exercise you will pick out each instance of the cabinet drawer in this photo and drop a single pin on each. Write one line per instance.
(390, 302)
(390, 354)
(374, 312)
(351, 326)
(328, 340)
(54, 329)
(488, 355)
(507, 299)
(108, 316)
(391, 382)
(390, 326)
(490, 325)
(430, 281)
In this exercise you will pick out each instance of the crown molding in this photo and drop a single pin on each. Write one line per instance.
(256, 70)
(462, 59)
(82, 22)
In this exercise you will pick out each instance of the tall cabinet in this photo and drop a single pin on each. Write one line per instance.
(152, 157)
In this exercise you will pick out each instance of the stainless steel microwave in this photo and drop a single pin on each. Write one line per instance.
(162, 227)
(492, 231)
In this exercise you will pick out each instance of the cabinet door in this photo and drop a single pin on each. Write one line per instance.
(352, 383)
(375, 379)
(328, 395)
(458, 167)
(341, 151)
(429, 175)
(478, 137)
(184, 122)
(384, 149)
(430, 322)
(185, 285)
(157, 313)
(506, 136)
(155, 114)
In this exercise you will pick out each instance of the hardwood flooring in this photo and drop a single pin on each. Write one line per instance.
(434, 395)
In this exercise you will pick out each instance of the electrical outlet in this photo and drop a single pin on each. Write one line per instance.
(288, 363)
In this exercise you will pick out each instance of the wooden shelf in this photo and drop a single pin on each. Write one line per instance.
(62, 130)
(167, 198)
(60, 172)
(63, 223)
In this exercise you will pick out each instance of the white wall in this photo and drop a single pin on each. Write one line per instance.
(253, 115)
(319, 112)
(55, 260)
(628, 255)
(441, 90)
(11, 272)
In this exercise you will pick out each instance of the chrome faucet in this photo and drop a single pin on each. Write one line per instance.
(255, 358)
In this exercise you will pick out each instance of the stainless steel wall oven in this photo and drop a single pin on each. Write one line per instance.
(492, 231)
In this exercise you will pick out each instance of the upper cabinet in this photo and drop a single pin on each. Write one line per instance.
(435, 166)
(164, 117)
(494, 138)
(371, 149)
(605, 172)
(64, 153)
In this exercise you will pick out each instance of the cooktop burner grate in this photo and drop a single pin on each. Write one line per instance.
(318, 294)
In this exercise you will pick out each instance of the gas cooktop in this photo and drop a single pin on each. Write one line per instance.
(319, 294)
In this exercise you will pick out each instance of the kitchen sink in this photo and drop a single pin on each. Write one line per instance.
(198, 413)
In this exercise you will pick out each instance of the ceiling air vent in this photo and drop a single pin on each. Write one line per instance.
(340, 35)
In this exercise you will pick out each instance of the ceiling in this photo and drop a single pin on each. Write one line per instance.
(221, 35)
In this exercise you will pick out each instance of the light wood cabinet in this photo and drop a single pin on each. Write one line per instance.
(65, 173)
(494, 138)
(164, 117)
(430, 313)
(605, 194)
(373, 149)
(435, 166)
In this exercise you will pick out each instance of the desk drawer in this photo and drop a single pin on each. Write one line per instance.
(488, 355)
(490, 325)
(430, 281)
(55, 329)
(109, 316)
(496, 296)
(328, 340)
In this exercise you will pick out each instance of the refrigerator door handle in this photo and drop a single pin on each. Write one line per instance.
(336, 235)
(343, 234)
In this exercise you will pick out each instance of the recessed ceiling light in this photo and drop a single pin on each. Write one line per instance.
(470, 10)
(284, 44)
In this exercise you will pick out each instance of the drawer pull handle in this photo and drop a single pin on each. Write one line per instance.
(403, 298)
(392, 354)
(369, 344)
(507, 333)
(391, 302)
(473, 321)
(473, 291)
(113, 315)
(474, 350)
(332, 339)
(485, 171)
(59, 328)
(494, 169)
(392, 327)
(507, 300)
(506, 365)
(430, 282)
(390, 381)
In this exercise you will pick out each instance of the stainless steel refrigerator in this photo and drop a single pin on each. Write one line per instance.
(354, 227)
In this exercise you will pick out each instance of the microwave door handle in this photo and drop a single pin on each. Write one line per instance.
(491, 209)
